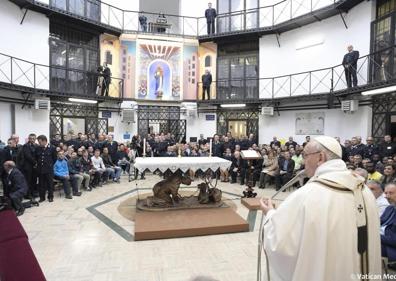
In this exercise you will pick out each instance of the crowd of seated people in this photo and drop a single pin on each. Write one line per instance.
(75, 163)
(82, 163)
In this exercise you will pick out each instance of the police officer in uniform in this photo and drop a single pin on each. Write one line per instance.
(45, 157)
(210, 15)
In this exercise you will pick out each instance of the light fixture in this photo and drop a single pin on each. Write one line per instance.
(309, 42)
(83, 101)
(379, 91)
(189, 105)
(233, 105)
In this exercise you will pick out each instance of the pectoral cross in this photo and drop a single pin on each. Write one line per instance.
(360, 208)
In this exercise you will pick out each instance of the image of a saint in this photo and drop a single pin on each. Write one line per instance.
(159, 81)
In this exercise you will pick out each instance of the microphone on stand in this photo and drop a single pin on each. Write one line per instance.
(296, 178)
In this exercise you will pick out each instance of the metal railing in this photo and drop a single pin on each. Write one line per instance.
(128, 21)
(55, 79)
(372, 70)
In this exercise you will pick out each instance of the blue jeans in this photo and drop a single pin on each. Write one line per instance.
(114, 172)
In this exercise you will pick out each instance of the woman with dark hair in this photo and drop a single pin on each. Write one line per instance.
(389, 174)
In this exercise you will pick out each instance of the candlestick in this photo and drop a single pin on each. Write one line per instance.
(144, 147)
(179, 152)
(210, 148)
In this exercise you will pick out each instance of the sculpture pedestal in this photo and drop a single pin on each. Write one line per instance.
(185, 223)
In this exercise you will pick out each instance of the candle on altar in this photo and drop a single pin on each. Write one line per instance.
(210, 147)
(144, 147)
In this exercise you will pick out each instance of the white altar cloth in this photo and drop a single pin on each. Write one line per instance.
(182, 163)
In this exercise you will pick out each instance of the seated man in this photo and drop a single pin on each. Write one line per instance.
(381, 201)
(113, 171)
(123, 158)
(286, 169)
(388, 225)
(238, 167)
(224, 174)
(61, 173)
(170, 152)
(15, 186)
(76, 172)
(372, 173)
(99, 168)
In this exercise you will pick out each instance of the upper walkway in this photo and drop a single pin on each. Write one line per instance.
(277, 18)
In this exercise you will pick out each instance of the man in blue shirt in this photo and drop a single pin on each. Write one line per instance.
(61, 173)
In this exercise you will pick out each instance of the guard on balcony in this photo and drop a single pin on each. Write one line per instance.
(210, 15)
(350, 65)
(206, 82)
(143, 22)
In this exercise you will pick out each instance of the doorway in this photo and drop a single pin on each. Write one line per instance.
(73, 126)
(393, 126)
(238, 128)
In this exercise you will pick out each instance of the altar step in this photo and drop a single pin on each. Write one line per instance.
(187, 223)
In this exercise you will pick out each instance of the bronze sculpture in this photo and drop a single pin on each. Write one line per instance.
(166, 196)
(166, 192)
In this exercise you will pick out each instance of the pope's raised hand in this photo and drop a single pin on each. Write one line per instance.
(266, 205)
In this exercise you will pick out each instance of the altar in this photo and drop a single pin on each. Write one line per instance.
(181, 163)
(165, 215)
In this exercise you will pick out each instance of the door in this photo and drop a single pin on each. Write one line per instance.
(393, 126)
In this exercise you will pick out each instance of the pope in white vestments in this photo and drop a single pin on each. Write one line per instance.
(313, 234)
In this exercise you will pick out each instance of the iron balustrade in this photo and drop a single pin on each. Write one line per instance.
(126, 21)
(54, 79)
(372, 70)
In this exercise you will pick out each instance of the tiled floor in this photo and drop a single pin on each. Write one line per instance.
(72, 242)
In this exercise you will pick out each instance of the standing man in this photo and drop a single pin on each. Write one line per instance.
(106, 80)
(45, 158)
(143, 22)
(350, 65)
(28, 163)
(334, 203)
(206, 82)
(210, 15)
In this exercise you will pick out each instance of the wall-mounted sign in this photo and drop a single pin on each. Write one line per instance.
(106, 114)
(210, 117)
(127, 136)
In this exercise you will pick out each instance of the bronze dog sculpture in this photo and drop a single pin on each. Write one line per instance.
(208, 195)
(166, 192)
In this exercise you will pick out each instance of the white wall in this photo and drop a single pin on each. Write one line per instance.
(198, 125)
(5, 124)
(333, 39)
(121, 128)
(27, 120)
(27, 41)
(337, 124)
(30, 120)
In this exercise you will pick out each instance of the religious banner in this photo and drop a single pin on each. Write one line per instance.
(310, 123)
(128, 70)
(190, 71)
(159, 67)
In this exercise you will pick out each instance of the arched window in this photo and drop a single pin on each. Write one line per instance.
(208, 61)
